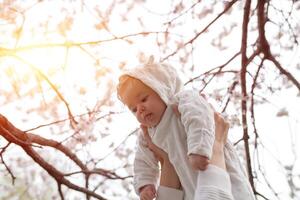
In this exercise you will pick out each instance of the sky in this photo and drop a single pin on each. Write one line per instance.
(275, 132)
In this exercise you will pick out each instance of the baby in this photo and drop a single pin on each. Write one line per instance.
(149, 91)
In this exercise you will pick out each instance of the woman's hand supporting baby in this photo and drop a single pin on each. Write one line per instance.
(147, 192)
(169, 176)
(198, 162)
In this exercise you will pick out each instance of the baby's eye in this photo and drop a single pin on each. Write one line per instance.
(144, 99)
(133, 110)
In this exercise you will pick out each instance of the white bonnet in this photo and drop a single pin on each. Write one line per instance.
(160, 77)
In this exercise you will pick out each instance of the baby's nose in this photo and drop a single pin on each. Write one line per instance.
(141, 109)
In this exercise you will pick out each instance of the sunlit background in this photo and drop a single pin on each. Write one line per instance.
(61, 60)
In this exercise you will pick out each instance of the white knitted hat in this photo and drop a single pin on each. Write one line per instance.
(160, 77)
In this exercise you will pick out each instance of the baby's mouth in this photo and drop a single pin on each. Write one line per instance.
(148, 116)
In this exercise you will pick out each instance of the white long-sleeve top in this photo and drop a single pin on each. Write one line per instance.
(193, 132)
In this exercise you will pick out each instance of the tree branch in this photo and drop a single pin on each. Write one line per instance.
(13, 178)
(6, 127)
(73, 122)
(264, 45)
(229, 5)
(9, 52)
(219, 69)
(243, 72)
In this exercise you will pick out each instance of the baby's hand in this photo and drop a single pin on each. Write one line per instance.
(148, 192)
(198, 162)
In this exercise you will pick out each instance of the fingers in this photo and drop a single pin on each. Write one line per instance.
(148, 139)
(148, 193)
(221, 128)
(148, 196)
(216, 117)
(160, 154)
(146, 134)
(144, 128)
(198, 162)
(219, 119)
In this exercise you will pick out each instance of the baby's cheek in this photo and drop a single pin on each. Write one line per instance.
(139, 118)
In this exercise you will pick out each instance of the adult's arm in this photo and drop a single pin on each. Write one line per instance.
(145, 167)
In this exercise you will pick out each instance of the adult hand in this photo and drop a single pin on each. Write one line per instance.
(221, 132)
(160, 154)
(148, 192)
(198, 162)
(221, 128)
(169, 177)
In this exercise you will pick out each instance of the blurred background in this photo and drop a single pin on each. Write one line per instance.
(65, 135)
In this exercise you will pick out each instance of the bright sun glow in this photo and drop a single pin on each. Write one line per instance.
(69, 50)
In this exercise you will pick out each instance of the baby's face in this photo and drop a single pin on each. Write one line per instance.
(144, 103)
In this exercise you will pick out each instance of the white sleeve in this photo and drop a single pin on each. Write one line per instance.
(213, 184)
(145, 167)
(198, 120)
(167, 193)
